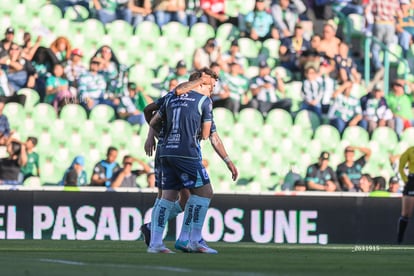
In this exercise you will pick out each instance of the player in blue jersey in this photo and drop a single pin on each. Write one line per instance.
(215, 140)
(181, 158)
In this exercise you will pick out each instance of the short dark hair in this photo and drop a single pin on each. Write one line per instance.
(33, 139)
(111, 149)
(380, 181)
(16, 148)
(209, 72)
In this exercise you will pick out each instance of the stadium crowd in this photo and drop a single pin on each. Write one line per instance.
(301, 41)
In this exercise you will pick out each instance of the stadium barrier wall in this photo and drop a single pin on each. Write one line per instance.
(231, 218)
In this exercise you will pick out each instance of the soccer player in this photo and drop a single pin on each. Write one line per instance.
(182, 168)
(406, 159)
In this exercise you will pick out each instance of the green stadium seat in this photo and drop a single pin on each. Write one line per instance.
(32, 182)
(51, 173)
(43, 113)
(119, 29)
(142, 74)
(223, 117)
(293, 91)
(251, 118)
(355, 136)
(233, 7)
(385, 136)
(73, 114)
(121, 126)
(94, 28)
(9, 6)
(270, 48)
(175, 31)
(15, 114)
(281, 120)
(396, 50)
(248, 48)
(76, 13)
(307, 119)
(328, 136)
(101, 114)
(200, 32)
(148, 30)
(227, 32)
(50, 13)
(32, 97)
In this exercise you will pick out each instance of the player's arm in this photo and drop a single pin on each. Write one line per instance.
(187, 86)
(155, 120)
(149, 111)
(205, 130)
(401, 166)
(219, 148)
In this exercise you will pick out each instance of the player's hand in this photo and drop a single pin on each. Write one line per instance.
(149, 146)
(205, 79)
(233, 169)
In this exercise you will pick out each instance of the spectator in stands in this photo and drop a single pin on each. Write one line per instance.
(4, 85)
(194, 12)
(329, 44)
(345, 109)
(75, 175)
(320, 176)
(394, 185)
(11, 165)
(238, 85)
(32, 166)
(132, 106)
(20, 72)
(292, 47)
(312, 91)
(400, 105)
(6, 42)
(221, 91)
(365, 183)
(92, 86)
(65, 4)
(378, 183)
(263, 88)
(385, 14)
(167, 10)
(259, 23)
(126, 177)
(286, 14)
(62, 48)
(345, 65)
(375, 111)
(110, 10)
(347, 7)
(4, 125)
(180, 74)
(108, 67)
(405, 27)
(75, 68)
(138, 11)
(350, 171)
(105, 169)
(57, 87)
(29, 48)
(231, 56)
(204, 56)
(215, 11)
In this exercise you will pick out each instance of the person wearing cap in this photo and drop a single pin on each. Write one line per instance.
(375, 111)
(263, 88)
(238, 86)
(6, 42)
(394, 185)
(180, 74)
(349, 172)
(75, 175)
(260, 24)
(126, 177)
(32, 165)
(286, 14)
(204, 56)
(131, 106)
(400, 104)
(320, 176)
(74, 67)
(407, 204)
(292, 47)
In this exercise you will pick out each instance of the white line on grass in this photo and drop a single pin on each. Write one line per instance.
(56, 261)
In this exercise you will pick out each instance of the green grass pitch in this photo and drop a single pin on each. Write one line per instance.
(47, 257)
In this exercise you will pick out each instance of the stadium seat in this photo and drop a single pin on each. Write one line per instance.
(227, 32)
(200, 32)
(270, 48)
(94, 28)
(308, 119)
(73, 114)
(293, 91)
(119, 30)
(50, 13)
(51, 173)
(250, 117)
(148, 30)
(280, 119)
(44, 112)
(102, 114)
(355, 136)
(248, 48)
(15, 114)
(223, 117)
(32, 182)
(32, 97)
(233, 7)
(8, 6)
(328, 136)
(175, 31)
(121, 126)
(76, 13)
(408, 136)
(385, 136)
